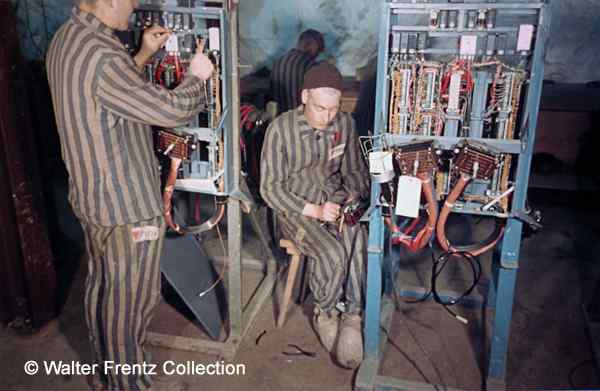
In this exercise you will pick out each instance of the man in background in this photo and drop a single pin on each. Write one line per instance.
(288, 71)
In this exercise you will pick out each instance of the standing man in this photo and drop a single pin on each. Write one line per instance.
(104, 111)
(310, 167)
(288, 72)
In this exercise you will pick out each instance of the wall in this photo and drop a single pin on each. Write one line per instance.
(269, 27)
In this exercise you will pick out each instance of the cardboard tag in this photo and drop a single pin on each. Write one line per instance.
(409, 196)
(336, 151)
(143, 234)
(172, 44)
(380, 162)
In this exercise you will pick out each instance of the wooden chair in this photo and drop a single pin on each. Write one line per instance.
(296, 258)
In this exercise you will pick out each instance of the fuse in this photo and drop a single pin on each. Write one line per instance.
(147, 18)
(170, 21)
(471, 16)
(443, 19)
(433, 19)
(481, 19)
(421, 42)
(156, 18)
(491, 19)
(452, 19)
(178, 23)
(395, 42)
(139, 19)
(188, 43)
(186, 22)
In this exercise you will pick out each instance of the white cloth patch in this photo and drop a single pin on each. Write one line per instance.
(409, 196)
(336, 151)
(143, 234)
(172, 44)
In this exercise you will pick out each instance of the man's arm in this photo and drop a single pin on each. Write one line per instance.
(274, 173)
(121, 89)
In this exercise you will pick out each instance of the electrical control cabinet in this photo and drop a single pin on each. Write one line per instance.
(204, 145)
(458, 91)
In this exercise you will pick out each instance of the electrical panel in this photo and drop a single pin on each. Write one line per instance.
(203, 146)
(454, 96)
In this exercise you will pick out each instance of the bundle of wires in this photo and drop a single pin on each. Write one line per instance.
(437, 267)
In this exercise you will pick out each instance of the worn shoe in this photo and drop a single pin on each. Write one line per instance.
(326, 326)
(163, 384)
(349, 350)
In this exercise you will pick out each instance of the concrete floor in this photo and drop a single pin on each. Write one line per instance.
(548, 339)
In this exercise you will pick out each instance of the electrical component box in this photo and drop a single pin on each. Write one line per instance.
(205, 167)
(458, 70)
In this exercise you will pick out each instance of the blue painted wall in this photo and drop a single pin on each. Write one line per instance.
(269, 27)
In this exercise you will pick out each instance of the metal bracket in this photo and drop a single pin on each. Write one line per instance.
(529, 217)
(246, 201)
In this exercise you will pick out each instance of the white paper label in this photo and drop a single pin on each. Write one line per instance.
(172, 44)
(214, 39)
(454, 91)
(143, 234)
(525, 38)
(468, 45)
(409, 196)
(380, 162)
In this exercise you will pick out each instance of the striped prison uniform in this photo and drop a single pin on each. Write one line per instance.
(104, 110)
(287, 77)
(302, 165)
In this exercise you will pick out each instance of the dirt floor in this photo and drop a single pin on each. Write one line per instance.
(548, 349)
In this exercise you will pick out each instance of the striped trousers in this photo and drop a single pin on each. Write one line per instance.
(339, 260)
(122, 289)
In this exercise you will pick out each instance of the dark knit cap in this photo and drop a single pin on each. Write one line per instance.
(323, 75)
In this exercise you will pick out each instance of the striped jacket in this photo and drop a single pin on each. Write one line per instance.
(104, 110)
(302, 165)
(287, 77)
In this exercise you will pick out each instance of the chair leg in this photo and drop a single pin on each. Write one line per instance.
(305, 280)
(289, 285)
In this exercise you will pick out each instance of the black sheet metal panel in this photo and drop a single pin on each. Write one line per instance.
(189, 271)
(31, 273)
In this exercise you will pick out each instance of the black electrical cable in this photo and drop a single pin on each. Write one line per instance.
(575, 369)
(438, 266)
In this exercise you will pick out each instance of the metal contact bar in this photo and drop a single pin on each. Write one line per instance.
(395, 7)
(440, 31)
(206, 12)
(444, 7)
(500, 146)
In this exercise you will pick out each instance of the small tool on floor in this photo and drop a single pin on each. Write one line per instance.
(295, 350)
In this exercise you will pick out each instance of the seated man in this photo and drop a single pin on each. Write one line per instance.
(310, 166)
(288, 72)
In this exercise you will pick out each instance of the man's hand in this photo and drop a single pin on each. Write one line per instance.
(327, 212)
(153, 39)
(330, 212)
(200, 65)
